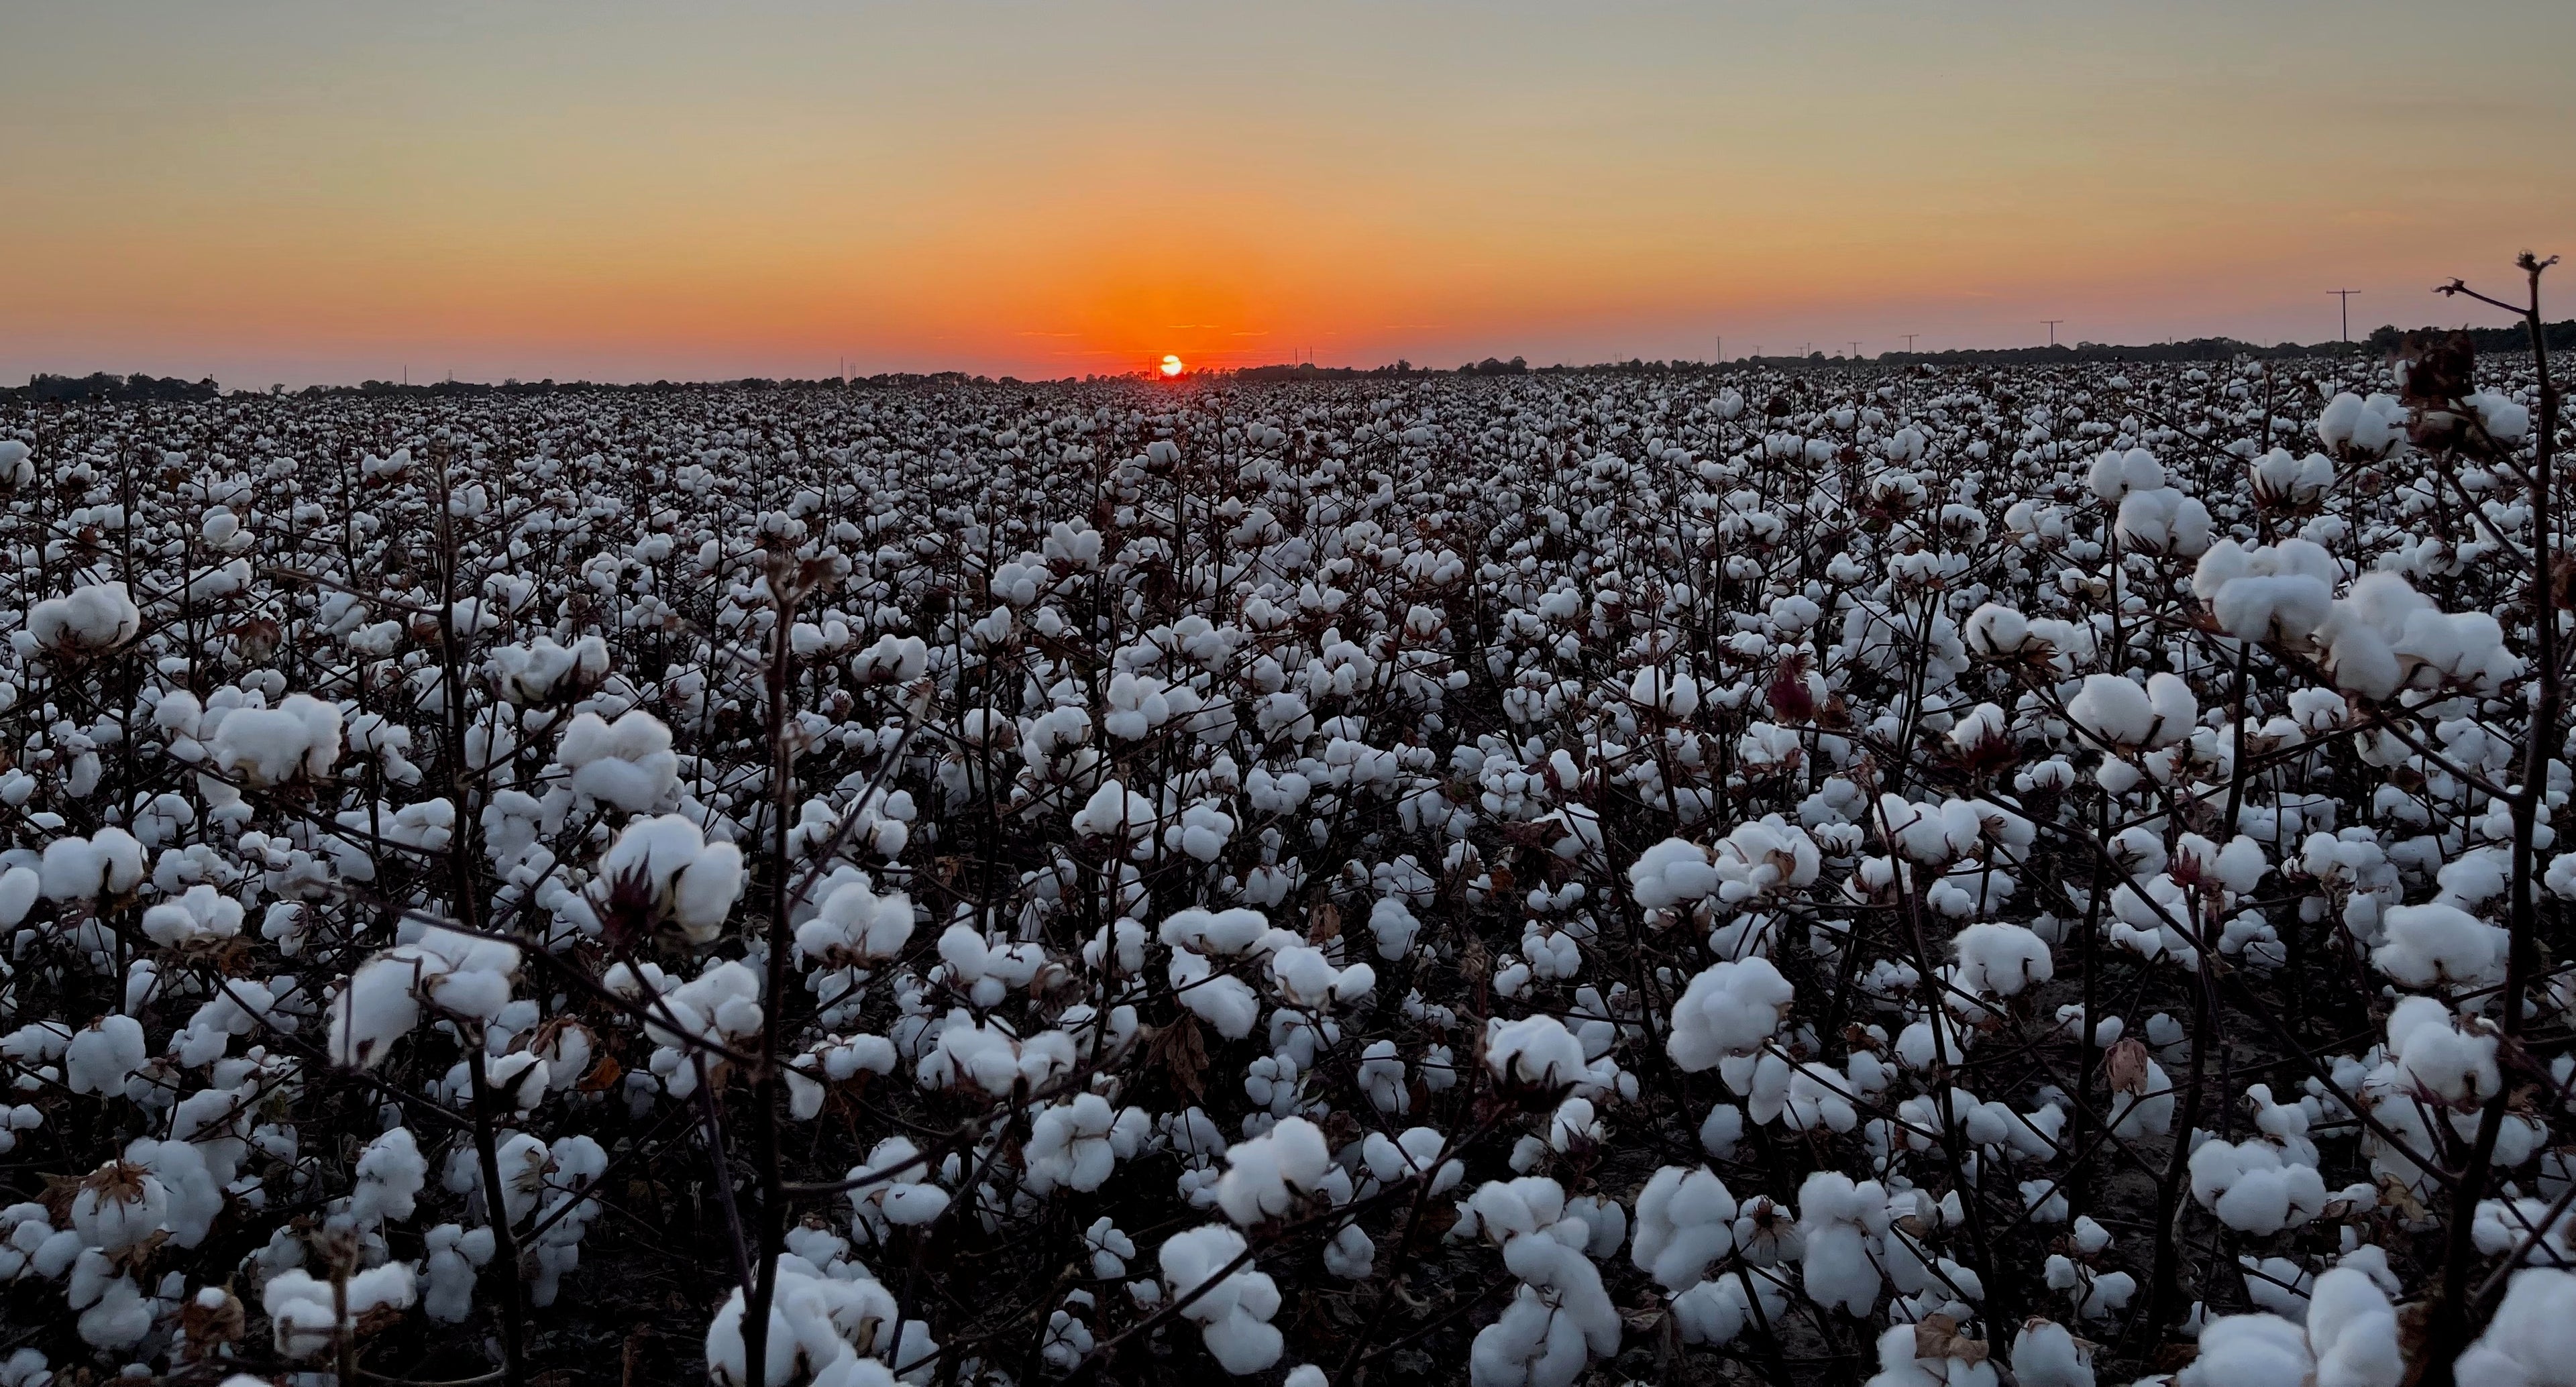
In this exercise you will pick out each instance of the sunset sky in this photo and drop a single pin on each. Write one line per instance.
(328, 192)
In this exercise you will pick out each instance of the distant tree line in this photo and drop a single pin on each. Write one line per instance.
(103, 386)
(2383, 342)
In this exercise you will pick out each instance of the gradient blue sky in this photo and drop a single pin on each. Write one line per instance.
(302, 192)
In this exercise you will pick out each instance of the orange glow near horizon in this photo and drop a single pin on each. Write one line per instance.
(1172, 367)
(291, 191)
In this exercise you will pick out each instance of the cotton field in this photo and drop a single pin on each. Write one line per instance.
(1941, 876)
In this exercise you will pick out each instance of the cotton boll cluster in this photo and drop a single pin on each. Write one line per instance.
(2349, 1338)
(1231, 1306)
(1560, 1318)
(2383, 636)
(453, 974)
(1729, 1009)
(87, 621)
(627, 764)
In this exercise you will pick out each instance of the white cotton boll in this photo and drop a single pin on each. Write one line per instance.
(2434, 1053)
(857, 927)
(704, 892)
(1305, 1375)
(2352, 1332)
(300, 738)
(1995, 630)
(688, 881)
(102, 1057)
(2506, 420)
(2046, 1354)
(457, 973)
(1266, 1174)
(87, 621)
(302, 1308)
(2253, 1189)
(1537, 1051)
(1394, 927)
(114, 1313)
(1841, 1222)
(2532, 1339)
(1685, 1221)
(390, 1174)
(2116, 474)
(1234, 1315)
(2114, 709)
(1672, 873)
(2163, 522)
(2002, 960)
(20, 889)
(628, 763)
(118, 1205)
(2176, 710)
(2433, 945)
(2257, 1350)
(1730, 1008)
(199, 916)
(107, 863)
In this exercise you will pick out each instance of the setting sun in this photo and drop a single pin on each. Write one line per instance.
(1171, 366)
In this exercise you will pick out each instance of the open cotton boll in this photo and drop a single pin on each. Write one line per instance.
(1913, 1355)
(2117, 473)
(2434, 945)
(1841, 1223)
(627, 763)
(87, 621)
(2113, 709)
(1305, 978)
(200, 916)
(2256, 1350)
(2432, 1052)
(456, 974)
(1234, 1314)
(1265, 1175)
(1672, 874)
(2253, 1189)
(101, 1057)
(1537, 1051)
(1995, 630)
(856, 927)
(2164, 521)
(2046, 1354)
(1393, 927)
(1729, 1009)
(2352, 1332)
(299, 738)
(681, 878)
(2506, 420)
(301, 1308)
(2002, 960)
(2532, 1339)
(107, 863)
(1685, 1221)
(2349, 424)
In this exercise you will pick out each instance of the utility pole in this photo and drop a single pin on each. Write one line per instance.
(2052, 329)
(1855, 351)
(1909, 343)
(2346, 296)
